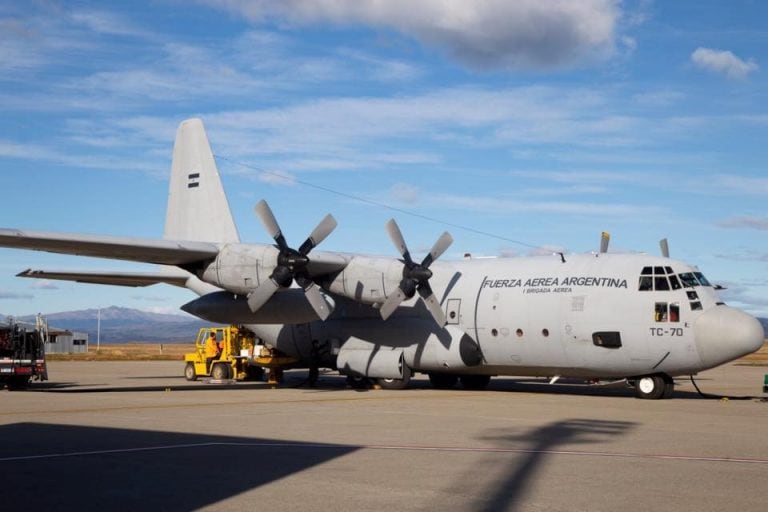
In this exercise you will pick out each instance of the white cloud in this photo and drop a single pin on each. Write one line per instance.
(44, 284)
(489, 34)
(14, 295)
(759, 223)
(723, 62)
(404, 193)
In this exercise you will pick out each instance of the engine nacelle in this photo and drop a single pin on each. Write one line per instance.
(285, 307)
(367, 280)
(239, 268)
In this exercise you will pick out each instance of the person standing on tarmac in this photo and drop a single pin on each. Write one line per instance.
(212, 350)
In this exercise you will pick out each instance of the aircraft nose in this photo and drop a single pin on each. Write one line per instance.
(724, 334)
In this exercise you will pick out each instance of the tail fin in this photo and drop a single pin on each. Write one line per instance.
(197, 206)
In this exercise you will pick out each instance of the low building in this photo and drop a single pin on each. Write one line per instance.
(62, 341)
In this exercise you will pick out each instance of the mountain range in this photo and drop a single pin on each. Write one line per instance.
(122, 325)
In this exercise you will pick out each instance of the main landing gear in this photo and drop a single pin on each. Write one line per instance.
(653, 387)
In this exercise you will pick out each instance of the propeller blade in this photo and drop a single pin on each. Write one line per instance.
(267, 218)
(261, 294)
(315, 298)
(442, 244)
(397, 238)
(605, 239)
(320, 233)
(664, 247)
(433, 305)
(392, 303)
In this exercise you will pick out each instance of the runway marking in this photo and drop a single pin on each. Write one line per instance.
(446, 449)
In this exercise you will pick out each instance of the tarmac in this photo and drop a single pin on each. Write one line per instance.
(137, 436)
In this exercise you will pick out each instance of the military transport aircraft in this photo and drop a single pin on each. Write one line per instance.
(600, 316)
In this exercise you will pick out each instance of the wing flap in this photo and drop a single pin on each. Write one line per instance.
(163, 252)
(134, 279)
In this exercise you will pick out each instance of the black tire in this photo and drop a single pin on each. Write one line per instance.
(254, 373)
(358, 382)
(189, 372)
(220, 371)
(396, 383)
(475, 382)
(650, 387)
(669, 387)
(17, 383)
(443, 380)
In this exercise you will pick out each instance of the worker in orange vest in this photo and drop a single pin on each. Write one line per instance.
(212, 350)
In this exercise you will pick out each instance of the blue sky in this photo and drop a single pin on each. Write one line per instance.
(541, 122)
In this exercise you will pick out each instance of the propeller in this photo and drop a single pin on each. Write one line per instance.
(664, 247)
(415, 275)
(291, 263)
(605, 239)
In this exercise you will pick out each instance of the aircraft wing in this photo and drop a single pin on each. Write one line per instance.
(146, 250)
(179, 278)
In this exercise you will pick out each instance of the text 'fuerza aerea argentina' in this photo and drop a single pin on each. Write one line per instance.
(554, 284)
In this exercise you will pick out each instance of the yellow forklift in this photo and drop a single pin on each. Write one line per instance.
(236, 357)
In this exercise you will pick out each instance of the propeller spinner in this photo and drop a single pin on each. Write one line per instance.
(291, 263)
(415, 275)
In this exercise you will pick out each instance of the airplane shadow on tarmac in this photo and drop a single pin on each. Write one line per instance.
(511, 484)
(63, 467)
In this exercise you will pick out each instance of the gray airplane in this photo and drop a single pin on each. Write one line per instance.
(600, 317)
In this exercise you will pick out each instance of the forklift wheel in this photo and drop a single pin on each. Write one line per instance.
(189, 372)
(220, 372)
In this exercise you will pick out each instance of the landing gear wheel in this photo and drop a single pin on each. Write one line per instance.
(220, 371)
(254, 373)
(443, 380)
(475, 382)
(358, 382)
(396, 383)
(669, 387)
(189, 372)
(650, 387)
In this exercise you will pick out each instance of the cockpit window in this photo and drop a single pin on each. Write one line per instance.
(655, 278)
(702, 279)
(689, 280)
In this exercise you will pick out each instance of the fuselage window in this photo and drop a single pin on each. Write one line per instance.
(696, 306)
(664, 312)
(674, 312)
(692, 295)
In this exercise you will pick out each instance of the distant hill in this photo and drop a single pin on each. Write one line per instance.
(120, 325)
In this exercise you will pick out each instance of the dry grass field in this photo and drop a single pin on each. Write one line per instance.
(176, 351)
(130, 352)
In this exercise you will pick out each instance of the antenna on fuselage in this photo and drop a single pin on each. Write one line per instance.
(664, 247)
(605, 239)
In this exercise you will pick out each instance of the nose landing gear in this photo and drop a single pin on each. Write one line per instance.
(654, 387)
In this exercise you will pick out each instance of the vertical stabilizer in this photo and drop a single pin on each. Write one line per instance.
(197, 206)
